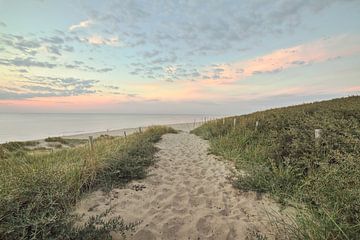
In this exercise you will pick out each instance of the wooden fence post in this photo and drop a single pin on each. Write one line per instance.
(317, 133)
(234, 123)
(256, 125)
(139, 129)
(125, 134)
(317, 137)
(91, 143)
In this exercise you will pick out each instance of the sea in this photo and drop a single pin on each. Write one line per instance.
(33, 126)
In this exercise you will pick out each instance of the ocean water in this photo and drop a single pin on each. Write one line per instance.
(31, 126)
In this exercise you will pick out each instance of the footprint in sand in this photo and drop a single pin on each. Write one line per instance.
(187, 196)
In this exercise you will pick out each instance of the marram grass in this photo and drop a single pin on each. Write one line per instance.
(38, 190)
(281, 156)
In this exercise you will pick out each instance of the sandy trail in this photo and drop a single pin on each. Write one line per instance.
(187, 195)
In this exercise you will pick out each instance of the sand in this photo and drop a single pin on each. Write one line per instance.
(187, 195)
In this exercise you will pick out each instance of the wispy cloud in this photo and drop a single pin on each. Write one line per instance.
(26, 62)
(200, 52)
(305, 54)
(82, 24)
(230, 26)
(99, 40)
(40, 86)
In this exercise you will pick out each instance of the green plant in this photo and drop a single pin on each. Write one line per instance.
(56, 139)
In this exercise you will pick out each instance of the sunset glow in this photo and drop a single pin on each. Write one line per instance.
(172, 57)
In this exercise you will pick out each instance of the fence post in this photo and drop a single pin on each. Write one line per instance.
(256, 125)
(223, 121)
(91, 143)
(139, 129)
(125, 134)
(317, 137)
(234, 123)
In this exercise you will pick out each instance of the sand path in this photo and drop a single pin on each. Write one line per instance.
(187, 195)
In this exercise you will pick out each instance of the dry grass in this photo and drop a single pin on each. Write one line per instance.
(37, 191)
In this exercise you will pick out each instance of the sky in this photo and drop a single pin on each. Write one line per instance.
(186, 56)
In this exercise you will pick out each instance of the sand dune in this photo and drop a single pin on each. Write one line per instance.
(187, 195)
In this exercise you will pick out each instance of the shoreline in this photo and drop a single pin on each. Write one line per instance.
(185, 127)
(16, 128)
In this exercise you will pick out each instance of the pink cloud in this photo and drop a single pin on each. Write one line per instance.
(171, 92)
(353, 89)
(70, 102)
(99, 40)
(279, 60)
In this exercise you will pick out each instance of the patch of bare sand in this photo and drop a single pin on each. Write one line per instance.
(187, 195)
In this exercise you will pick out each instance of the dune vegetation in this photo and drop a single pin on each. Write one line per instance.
(39, 189)
(277, 152)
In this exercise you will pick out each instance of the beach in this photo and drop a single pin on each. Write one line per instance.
(78, 139)
(34, 126)
(186, 127)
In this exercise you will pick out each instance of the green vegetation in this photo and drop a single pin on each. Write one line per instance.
(65, 141)
(321, 178)
(38, 191)
(14, 146)
(55, 139)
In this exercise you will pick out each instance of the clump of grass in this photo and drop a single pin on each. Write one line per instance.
(66, 141)
(281, 156)
(105, 136)
(14, 146)
(55, 145)
(75, 142)
(56, 139)
(91, 229)
(37, 191)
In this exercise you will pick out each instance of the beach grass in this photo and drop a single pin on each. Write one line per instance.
(14, 146)
(39, 190)
(66, 141)
(319, 177)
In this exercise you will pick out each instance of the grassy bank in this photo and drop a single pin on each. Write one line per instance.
(38, 190)
(281, 156)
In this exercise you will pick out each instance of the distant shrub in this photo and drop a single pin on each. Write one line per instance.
(56, 139)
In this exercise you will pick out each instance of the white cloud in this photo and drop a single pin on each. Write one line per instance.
(82, 24)
(99, 40)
